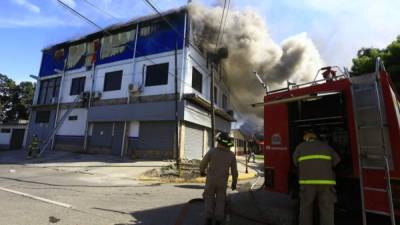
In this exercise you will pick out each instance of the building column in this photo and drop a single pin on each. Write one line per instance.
(205, 141)
(182, 140)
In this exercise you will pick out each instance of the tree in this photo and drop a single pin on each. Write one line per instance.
(366, 57)
(15, 100)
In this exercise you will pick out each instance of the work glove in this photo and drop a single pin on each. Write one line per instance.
(202, 174)
(233, 186)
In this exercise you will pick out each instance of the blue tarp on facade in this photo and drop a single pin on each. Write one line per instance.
(163, 39)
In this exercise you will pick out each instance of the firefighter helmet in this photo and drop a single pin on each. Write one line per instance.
(224, 139)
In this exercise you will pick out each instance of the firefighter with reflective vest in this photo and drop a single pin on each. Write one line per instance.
(34, 147)
(315, 161)
(218, 161)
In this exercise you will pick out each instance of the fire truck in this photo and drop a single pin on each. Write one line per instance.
(359, 117)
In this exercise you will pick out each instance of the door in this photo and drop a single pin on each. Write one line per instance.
(117, 137)
(193, 142)
(17, 137)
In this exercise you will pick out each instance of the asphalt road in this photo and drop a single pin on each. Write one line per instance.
(94, 200)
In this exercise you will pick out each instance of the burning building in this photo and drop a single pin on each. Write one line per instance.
(123, 90)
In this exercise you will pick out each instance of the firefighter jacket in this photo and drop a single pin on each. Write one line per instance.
(219, 160)
(315, 161)
(34, 143)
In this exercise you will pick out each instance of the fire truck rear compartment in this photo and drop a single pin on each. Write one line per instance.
(328, 117)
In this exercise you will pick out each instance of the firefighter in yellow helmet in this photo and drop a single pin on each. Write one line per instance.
(315, 161)
(218, 161)
(34, 147)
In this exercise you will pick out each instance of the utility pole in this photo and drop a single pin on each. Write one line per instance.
(212, 107)
(177, 147)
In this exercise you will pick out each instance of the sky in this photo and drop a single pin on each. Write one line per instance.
(338, 27)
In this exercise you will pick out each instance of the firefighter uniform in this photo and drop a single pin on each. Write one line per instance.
(315, 161)
(218, 160)
(34, 146)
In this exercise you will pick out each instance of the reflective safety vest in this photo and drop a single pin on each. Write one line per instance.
(315, 161)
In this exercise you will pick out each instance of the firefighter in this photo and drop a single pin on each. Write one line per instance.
(218, 160)
(34, 147)
(315, 161)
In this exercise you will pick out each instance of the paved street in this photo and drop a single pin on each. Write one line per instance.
(99, 192)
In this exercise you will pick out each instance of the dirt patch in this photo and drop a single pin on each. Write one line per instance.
(188, 170)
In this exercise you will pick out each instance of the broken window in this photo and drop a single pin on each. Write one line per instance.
(116, 43)
(157, 74)
(112, 81)
(147, 30)
(42, 117)
(75, 55)
(91, 49)
(197, 80)
(77, 86)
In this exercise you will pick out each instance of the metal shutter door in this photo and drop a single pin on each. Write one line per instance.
(193, 142)
(156, 136)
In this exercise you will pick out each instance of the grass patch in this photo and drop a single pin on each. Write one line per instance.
(260, 157)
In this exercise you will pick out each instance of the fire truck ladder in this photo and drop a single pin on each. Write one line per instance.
(53, 132)
(374, 149)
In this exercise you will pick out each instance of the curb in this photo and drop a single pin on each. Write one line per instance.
(242, 176)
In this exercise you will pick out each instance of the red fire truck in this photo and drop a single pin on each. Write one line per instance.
(359, 117)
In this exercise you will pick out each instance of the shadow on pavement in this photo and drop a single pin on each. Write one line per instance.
(190, 186)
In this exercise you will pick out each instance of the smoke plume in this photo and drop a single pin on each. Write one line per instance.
(251, 48)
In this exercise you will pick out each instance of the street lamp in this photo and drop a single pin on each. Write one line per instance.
(34, 77)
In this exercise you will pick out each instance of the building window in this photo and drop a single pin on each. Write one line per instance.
(42, 117)
(49, 90)
(148, 29)
(77, 86)
(224, 101)
(112, 81)
(215, 95)
(157, 74)
(73, 118)
(5, 130)
(197, 80)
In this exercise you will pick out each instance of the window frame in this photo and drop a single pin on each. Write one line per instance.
(197, 86)
(48, 89)
(224, 101)
(107, 84)
(153, 83)
(40, 119)
(81, 86)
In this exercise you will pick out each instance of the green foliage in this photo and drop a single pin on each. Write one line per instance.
(366, 57)
(15, 99)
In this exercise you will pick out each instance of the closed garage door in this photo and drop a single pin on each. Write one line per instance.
(157, 136)
(193, 142)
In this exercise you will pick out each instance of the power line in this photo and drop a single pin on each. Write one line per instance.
(107, 32)
(78, 14)
(226, 18)
(102, 10)
(220, 24)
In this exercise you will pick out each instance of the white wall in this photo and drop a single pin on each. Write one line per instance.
(73, 127)
(66, 87)
(167, 57)
(5, 138)
(133, 129)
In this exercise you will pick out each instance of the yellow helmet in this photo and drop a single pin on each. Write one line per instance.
(309, 135)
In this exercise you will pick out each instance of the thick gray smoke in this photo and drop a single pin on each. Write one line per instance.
(251, 48)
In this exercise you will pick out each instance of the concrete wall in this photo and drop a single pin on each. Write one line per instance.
(73, 127)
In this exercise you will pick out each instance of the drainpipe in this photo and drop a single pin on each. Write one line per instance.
(212, 107)
(58, 102)
(85, 141)
(124, 137)
(177, 146)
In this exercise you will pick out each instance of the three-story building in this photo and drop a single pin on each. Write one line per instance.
(122, 91)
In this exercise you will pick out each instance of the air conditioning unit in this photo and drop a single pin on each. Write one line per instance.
(85, 95)
(96, 95)
(134, 88)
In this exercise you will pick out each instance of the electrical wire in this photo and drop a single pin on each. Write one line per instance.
(102, 10)
(226, 18)
(220, 24)
(107, 32)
